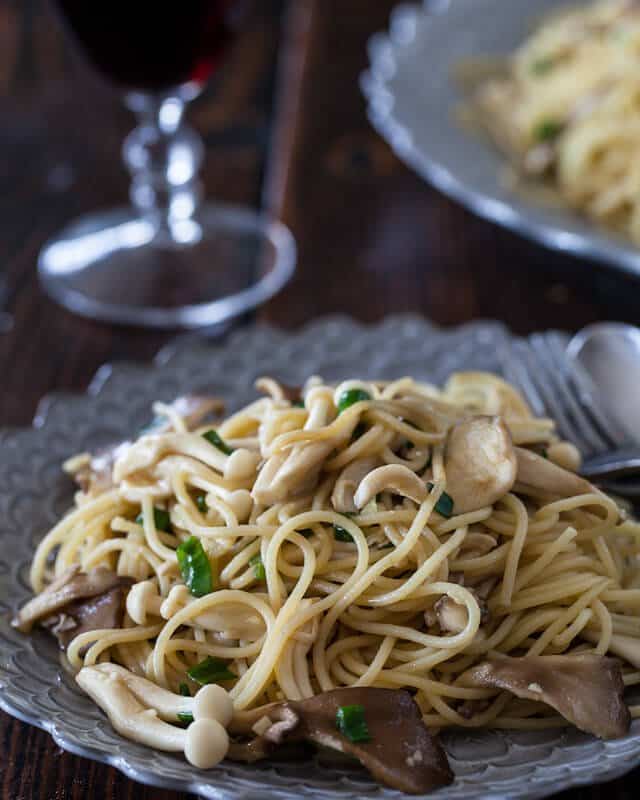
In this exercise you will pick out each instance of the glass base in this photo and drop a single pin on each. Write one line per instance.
(115, 266)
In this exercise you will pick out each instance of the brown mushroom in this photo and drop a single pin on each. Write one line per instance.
(480, 464)
(77, 602)
(537, 472)
(585, 689)
(400, 752)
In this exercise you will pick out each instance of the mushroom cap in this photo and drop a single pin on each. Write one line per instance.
(213, 702)
(480, 463)
(138, 600)
(206, 743)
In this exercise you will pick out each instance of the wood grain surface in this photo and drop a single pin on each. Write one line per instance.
(373, 240)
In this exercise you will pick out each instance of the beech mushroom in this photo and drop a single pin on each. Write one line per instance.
(398, 749)
(585, 689)
(537, 472)
(205, 742)
(348, 481)
(394, 478)
(480, 463)
(286, 475)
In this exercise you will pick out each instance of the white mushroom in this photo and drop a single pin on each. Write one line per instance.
(143, 599)
(230, 621)
(286, 475)
(537, 472)
(480, 463)
(451, 616)
(394, 478)
(210, 701)
(565, 455)
(205, 742)
(348, 481)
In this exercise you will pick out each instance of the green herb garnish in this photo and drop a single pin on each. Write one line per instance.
(444, 506)
(161, 519)
(195, 567)
(351, 723)
(350, 397)
(341, 535)
(547, 130)
(542, 65)
(214, 438)
(211, 670)
(298, 404)
(258, 567)
(185, 717)
(201, 503)
(184, 690)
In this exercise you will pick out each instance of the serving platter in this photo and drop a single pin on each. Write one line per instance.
(414, 102)
(34, 493)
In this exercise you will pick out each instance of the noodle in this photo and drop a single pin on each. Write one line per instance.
(307, 598)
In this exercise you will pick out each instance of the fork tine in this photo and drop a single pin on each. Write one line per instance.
(586, 392)
(516, 373)
(559, 372)
(541, 375)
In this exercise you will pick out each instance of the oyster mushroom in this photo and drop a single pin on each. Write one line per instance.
(342, 497)
(537, 472)
(394, 478)
(77, 602)
(480, 463)
(400, 752)
(587, 690)
(205, 742)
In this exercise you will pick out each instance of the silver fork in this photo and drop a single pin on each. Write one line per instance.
(559, 388)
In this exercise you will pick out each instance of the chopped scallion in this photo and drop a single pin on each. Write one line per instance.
(184, 690)
(201, 503)
(258, 567)
(214, 438)
(298, 404)
(341, 535)
(185, 717)
(211, 670)
(351, 723)
(195, 567)
(350, 397)
(161, 519)
(444, 506)
(547, 130)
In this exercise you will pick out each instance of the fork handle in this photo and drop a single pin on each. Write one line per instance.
(623, 463)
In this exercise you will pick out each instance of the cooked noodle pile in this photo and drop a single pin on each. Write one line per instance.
(570, 107)
(371, 534)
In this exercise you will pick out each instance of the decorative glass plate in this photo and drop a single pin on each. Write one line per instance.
(34, 493)
(413, 102)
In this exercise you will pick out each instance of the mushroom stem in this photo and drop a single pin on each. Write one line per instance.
(394, 478)
(205, 742)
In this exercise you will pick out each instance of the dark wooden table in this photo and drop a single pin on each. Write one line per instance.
(373, 239)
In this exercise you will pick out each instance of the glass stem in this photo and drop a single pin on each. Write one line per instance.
(163, 155)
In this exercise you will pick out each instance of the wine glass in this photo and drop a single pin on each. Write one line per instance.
(170, 259)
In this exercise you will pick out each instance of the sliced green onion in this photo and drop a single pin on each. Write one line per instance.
(444, 506)
(161, 519)
(351, 723)
(185, 717)
(542, 65)
(258, 567)
(195, 567)
(201, 503)
(214, 438)
(184, 690)
(359, 431)
(211, 670)
(341, 535)
(298, 404)
(351, 396)
(547, 130)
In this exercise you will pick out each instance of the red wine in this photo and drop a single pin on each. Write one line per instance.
(153, 45)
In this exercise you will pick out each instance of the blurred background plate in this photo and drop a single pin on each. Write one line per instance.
(413, 99)
(34, 493)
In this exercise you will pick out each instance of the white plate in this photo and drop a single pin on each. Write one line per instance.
(412, 101)
(34, 493)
